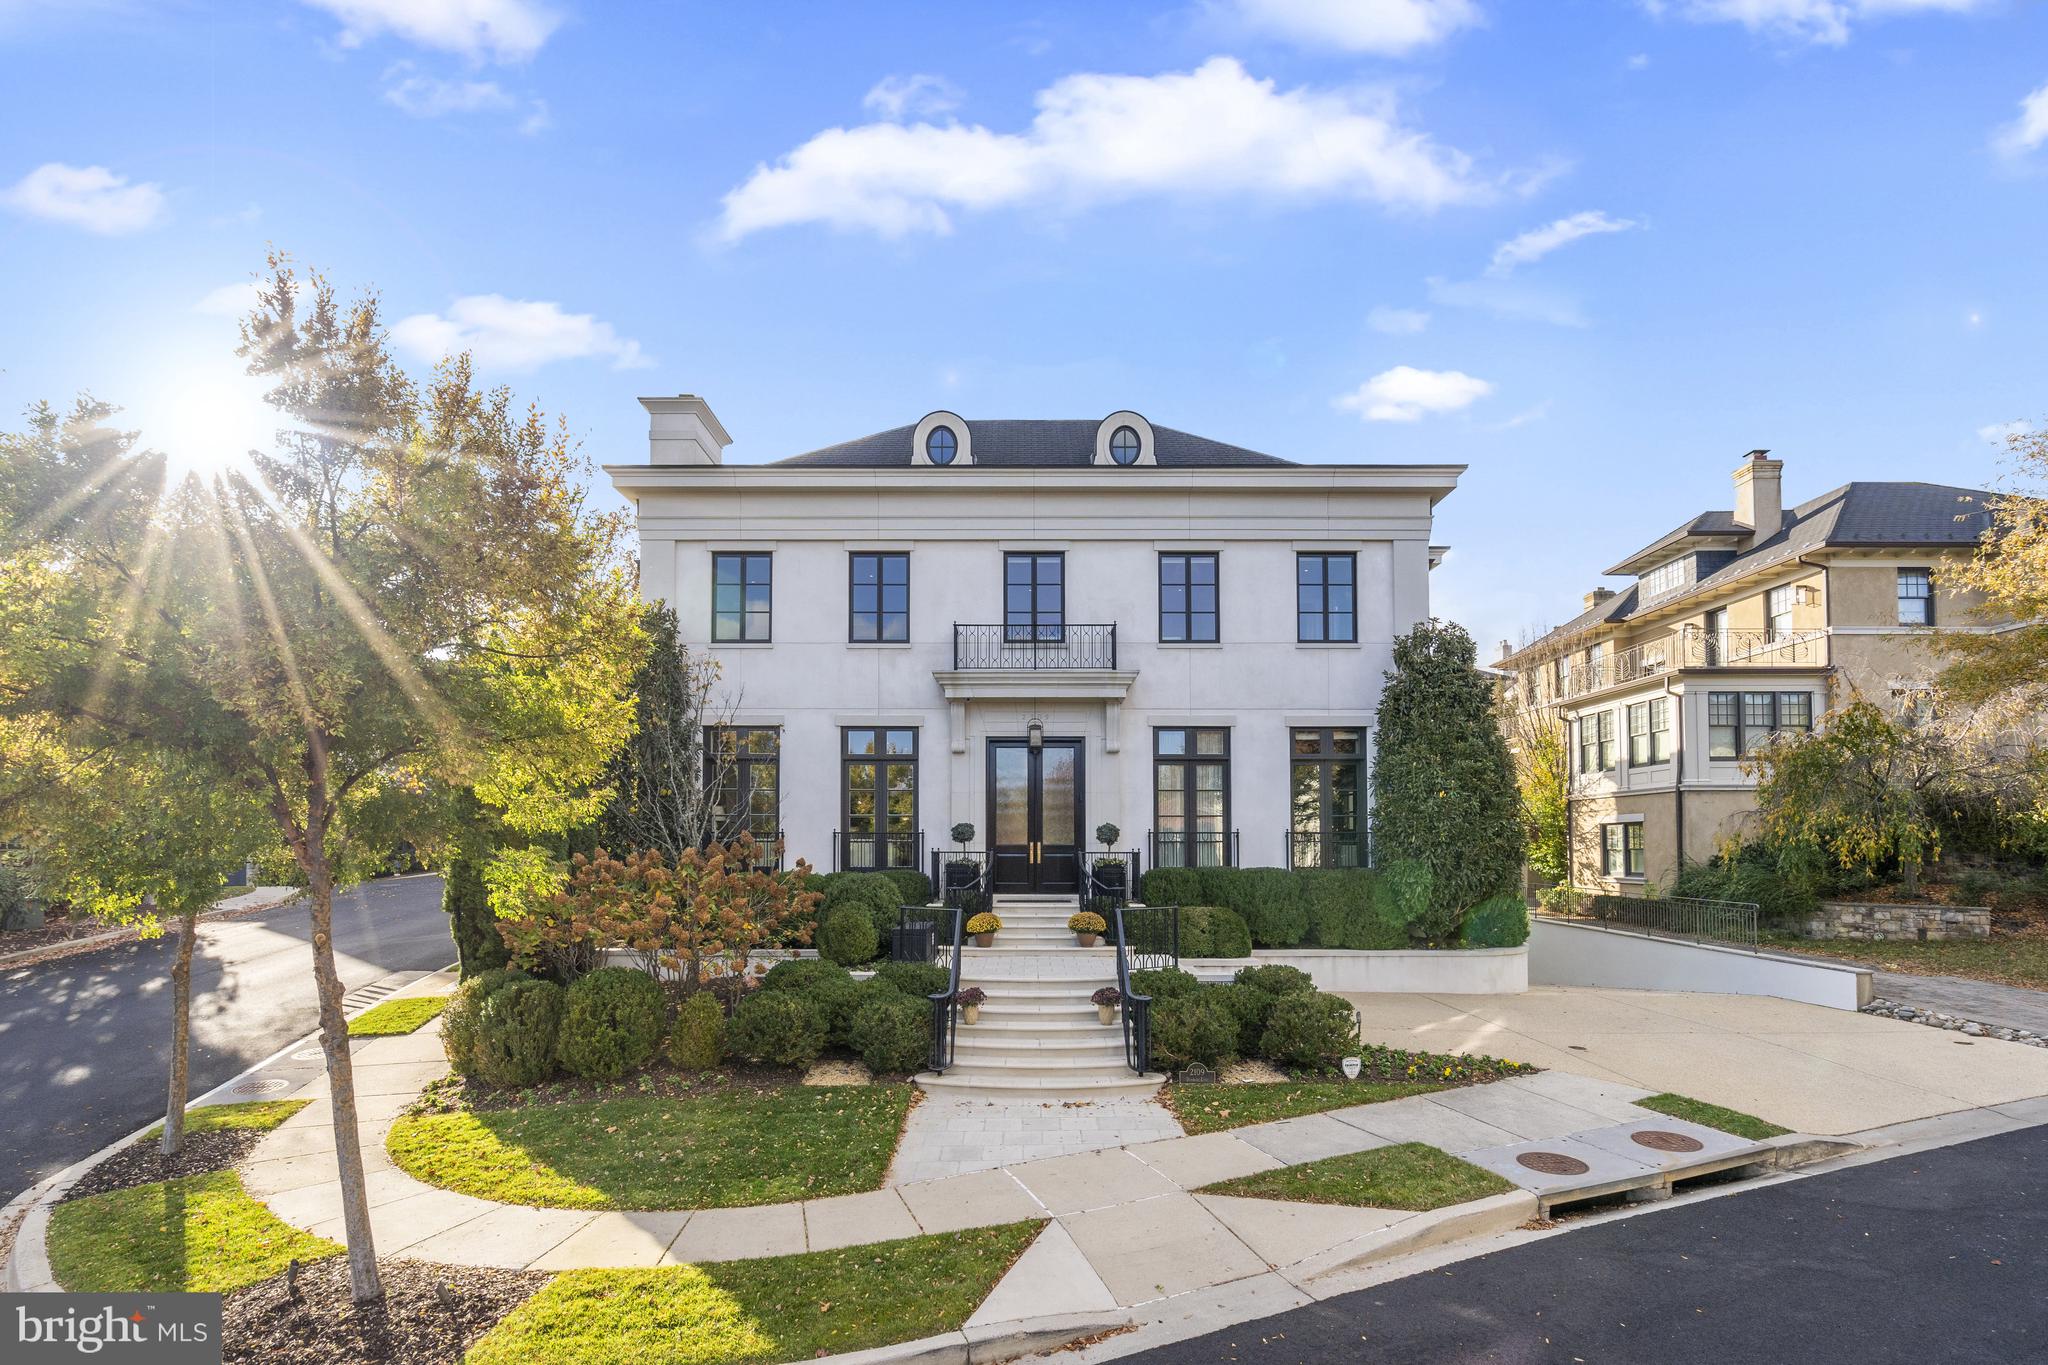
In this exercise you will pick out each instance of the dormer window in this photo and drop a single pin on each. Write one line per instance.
(1124, 446)
(1667, 577)
(942, 438)
(942, 445)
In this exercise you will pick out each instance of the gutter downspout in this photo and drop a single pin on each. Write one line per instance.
(1827, 609)
(1678, 774)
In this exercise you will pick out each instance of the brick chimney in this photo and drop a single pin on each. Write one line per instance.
(683, 430)
(1597, 596)
(1760, 495)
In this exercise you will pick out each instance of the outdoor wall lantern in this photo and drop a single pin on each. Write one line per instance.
(1036, 732)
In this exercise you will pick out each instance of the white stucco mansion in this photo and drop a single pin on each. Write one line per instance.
(1037, 627)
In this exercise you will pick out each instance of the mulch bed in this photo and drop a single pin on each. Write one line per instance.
(139, 1163)
(52, 934)
(429, 1314)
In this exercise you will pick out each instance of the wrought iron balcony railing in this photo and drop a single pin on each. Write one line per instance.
(1035, 646)
(1697, 647)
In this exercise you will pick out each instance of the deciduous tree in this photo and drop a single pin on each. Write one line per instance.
(2010, 569)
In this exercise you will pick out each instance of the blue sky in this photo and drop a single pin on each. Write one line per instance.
(1595, 249)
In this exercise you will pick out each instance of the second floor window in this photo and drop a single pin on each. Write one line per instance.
(1596, 742)
(1778, 612)
(1739, 721)
(1916, 597)
(1326, 597)
(741, 591)
(1649, 732)
(1034, 597)
(1187, 598)
(879, 605)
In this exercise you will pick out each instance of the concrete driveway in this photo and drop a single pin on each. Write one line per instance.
(1810, 1069)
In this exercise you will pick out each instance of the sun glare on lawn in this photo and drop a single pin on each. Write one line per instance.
(205, 421)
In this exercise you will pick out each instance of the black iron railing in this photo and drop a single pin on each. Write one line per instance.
(916, 936)
(1324, 850)
(1136, 1010)
(1034, 646)
(861, 852)
(1174, 848)
(1113, 874)
(1152, 936)
(946, 1003)
(957, 871)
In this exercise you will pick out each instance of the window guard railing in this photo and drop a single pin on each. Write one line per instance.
(1034, 646)
(1170, 848)
(876, 852)
(1319, 850)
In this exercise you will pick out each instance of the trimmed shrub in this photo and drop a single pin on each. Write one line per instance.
(1276, 980)
(914, 978)
(1192, 1028)
(697, 1043)
(912, 887)
(801, 973)
(1250, 1007)
(611, 1023)
(847, 935)
(462, 1021)
(894, 1035)
(516, 1031)
(1401, 900)
(870, 890)
(478, 946)
(1172, 886)
(777, 1028)
(1164, 983)
(1502, 922)
(1339, 902)
(1212, 931)
(834, 999)
(1311, 1030)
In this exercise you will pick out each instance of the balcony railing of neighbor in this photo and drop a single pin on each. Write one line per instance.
(946, 1003)
(875, 852)
(1113, 874)
(1034, 647)
(957, 871)
(1171, 848)
(1697, 647)
(1680, 916)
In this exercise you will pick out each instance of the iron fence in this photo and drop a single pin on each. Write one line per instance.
(1681, 916)
(958, 871)
(1113, 875)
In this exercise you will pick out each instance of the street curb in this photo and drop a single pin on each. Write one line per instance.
(991, 1342)
(1474, 1218)
(57, 952)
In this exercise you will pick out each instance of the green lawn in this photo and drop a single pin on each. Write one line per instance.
(1714, 1116)
(200, 1233)
(394, 1017)
(1409, 1175)
(260, 1115)
(1213, 1108)
(712, 1151)
(2013, 960)
(780, 1308)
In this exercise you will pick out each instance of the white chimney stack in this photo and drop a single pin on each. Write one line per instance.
(1760, 495)
(683, 430)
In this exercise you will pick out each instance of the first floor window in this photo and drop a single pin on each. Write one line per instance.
(1916, 597)
(1326, 597)
(1326, 827)
(1187, 598)
(879, 598)
(1649, 732)
(1738, 722)
(1596, 742)
(741, 589)
(744, 773)
(1191, 798)
(1621, 850)
(878, 798)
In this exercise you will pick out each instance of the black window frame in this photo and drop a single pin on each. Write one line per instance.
(1322, 612)
(952, 445)
(1187, 613)
(1655, 734)
(744, 561)
(1922, 578)
(1598, 739)
(881, 613)
(1623, 850)
(1187, 830)
(1749, 719)
(882, 841)
(738, 746)
(1032, 626)
(1330, 847)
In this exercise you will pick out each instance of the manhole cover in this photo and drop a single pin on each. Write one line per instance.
(1660, 1140)
(263, 1085)
(1553, 1163)
(307, 1054)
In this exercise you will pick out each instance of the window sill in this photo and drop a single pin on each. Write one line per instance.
(1188, 644)
(741, 644)
(881, 644)
(1326, 644)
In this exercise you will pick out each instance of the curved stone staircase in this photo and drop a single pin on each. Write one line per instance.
(1038, 1037)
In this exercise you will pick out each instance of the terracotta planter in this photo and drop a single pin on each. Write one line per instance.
(971, 1013)
(984, 940)
(1105, 1014)
(1087, 940)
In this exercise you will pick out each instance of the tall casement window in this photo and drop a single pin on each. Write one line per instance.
(1738, 722)
(744, 771)
(1560, 675)
(1190, 798)
(1649, 732)
(1621, 850)
(1034, 597)
(741, 593)
(878, 605)
(1596, 665)
(1778, 612)
(1596, 742)
(1187, 598)
(1326, 597)
(1715, 638)
(878, 799)
(1916, 597)
(1325, 824)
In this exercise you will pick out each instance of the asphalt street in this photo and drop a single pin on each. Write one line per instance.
(83, 1040)
(1938, 1257)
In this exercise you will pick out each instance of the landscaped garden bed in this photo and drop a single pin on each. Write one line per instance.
(429, 1315)
(1409, 1175)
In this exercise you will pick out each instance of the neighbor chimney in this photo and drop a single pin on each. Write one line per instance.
(1760, 495)
(1597, 596)
(683, 430)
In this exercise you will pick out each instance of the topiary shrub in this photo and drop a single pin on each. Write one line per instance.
(1172, 886)
(1250, 1007)
(1311, 1030)
(697, 1043)
(478, 946)
(516, 1031)
(1502, 922)
(1164, 983)
(870, 890)
(914, 978)
(912, 887)
(1276, 980)
(801, 973)
(894, 1035)
(462, 1020)
(1192, 1028)
(611, 1023)
(847, 935)
(776, 1028)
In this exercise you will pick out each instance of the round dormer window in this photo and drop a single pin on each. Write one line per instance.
(1124, 446)
(941, 446)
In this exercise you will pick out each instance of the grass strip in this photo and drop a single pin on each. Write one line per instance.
(395, 1017)
(1409, 1175)
(1714, 1116)
(256, 1115)
(198, 1233)
(1212, 1109)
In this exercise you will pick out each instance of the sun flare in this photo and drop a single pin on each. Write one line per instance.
(206, 420)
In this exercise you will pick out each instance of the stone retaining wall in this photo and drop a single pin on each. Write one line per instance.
(1847, 919)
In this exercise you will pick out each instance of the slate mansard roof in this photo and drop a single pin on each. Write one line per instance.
(1064, 443)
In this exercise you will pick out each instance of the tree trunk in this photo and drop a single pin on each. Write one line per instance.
(364, 1283)
(181, 1034)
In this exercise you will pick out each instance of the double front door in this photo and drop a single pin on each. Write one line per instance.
(1034, 815)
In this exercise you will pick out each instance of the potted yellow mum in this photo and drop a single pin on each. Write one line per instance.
(984, 926)
(1087, 927)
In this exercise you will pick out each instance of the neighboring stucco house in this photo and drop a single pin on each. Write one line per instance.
(1037, 627)
(1740, 625)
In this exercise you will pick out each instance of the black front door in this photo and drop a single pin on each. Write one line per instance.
(1034, 815)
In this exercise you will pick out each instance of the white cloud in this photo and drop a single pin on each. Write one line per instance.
(918, 96)
(514, 334)
(2001, 434)
(2027, 132)
(502, 30)
(1406, 394)
(90, 197)
(1390, 28)
(1214, 131)
(425, 96)
(1537, 243)
(1397, 322)
(1812, 21)
(1639, 61)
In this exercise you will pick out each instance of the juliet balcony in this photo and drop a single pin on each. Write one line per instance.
(1034, 647)
(1036, 662)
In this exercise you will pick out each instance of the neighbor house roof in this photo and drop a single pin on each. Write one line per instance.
(1056, 443)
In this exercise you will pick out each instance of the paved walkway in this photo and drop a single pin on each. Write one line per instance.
(958, 1137)
(1987, 1002)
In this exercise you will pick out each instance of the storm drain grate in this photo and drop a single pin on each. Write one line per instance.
(1662, 1140)
(262, 1085)
(1553, 1163)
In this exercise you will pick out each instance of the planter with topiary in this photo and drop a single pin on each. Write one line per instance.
(1088, 927)
(1105, 1001)
(962, 872)
(1108, 872)
(970, 1001)
(984, 927)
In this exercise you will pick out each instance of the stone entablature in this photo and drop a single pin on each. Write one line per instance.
(1845, 919)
